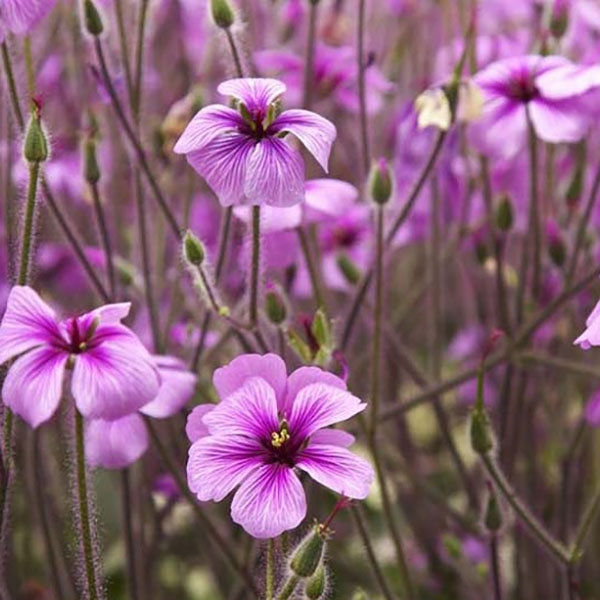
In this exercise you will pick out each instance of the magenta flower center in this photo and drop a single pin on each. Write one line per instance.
(79, 341)
(523, 88)
(282, 447)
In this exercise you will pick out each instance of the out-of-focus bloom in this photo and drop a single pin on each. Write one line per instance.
(433, 108)
(591, 336)
(20, 16)
(242, 155)
(592, 409)
(534, 86)
(335, 76)
(119, 443)
(113, 374)
(267, 426)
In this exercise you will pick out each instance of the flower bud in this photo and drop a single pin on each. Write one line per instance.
(35, 148)
(493, 515)
(349, 270)
(315, 586)
(481, 431)
(380, 182)
(193, 249)
(307, 556)
(321, 330)
(556, 246)
(559, 21)
(275, 306)
(91, 170)
(92, 18)
(222, 13)
(504, 214)
(359, 595)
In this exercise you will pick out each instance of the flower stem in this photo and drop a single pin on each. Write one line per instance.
(270, 570)
(309, 66)
(83, 510)
(589, 517)
(377, 317)
(289, 588)
(371, 556)
(234, 52)
(12, 87)
(494, 559)
(534, 211)
(362, 96)
(313, 271)
(132, 572)
(538, 532)
(104, 239)
(255, 266)
(27, 236)
(29, 68)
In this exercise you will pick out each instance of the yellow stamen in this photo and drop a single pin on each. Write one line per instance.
(278, 439)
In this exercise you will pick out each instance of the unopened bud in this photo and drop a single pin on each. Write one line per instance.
(493, 514)
(481, 432)
(349, 270)
(559, 21)
(35, 149)
(275, 306)
(91, 170)
(307, 556)
(380, 182)
(193, 249)
(315, 586)
(92, 18)
(556, 246)
(504, 214)
(222, 13)
(321, 330)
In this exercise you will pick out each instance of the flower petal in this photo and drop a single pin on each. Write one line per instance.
(176, 388)
(256, 93)
(21, 15)
(116, 377)
(270, 367)
(270, 501)
(33, 386)
(319, 405)
(332, 437)
(195, 427)
(313, 130)
(326, 198)
(27, 322)
(115, 444)
(223, 164)
(338, 469)
(210, 122)
(304, 376)
(249, 411)
(557, 121)
(217, 464)
(275, 174)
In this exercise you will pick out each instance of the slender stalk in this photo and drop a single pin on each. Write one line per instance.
(234, 53)
(377, 319)
(104, 239)
(589, 517)
(534, 211)
(362, 95)
(203, 519)
(208, 289)
(12, 87)
(289, 588)
(132, 572)
(270, 570)
(29, 68)
(27, 235)
(133, 139)
(313, 271)
(494, 560)
(555, 362)
(371, 556)
(255, 266)
(83, 510)
(123, 45)
(309, 66)
(537, 531)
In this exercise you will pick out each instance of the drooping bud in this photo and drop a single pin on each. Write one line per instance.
(309, 553)
(556, 246)
(504, 214)
(92, 18)
(193, 249)
(482, 440)
(222, 13)
(349, 270)
(493, 514)
(35, 148)
(380, 182)
(315, 586)
(91, 170)
(274, 305)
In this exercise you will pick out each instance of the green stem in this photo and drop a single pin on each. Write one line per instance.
(289, 588)
(535, 528)
(104, 239)
(132, 571)
(29, 68)
(12, 87)
(313, 271)
(377, 317)
(270, 570)
(83, 509)
(310, 56)
(589, 517)
(534, 211)
(208, 289)
(123, 46)
(362, 95)
(234, 52)
(27, 237)
(255, 266)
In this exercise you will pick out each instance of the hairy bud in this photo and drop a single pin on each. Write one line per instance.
(35, 148)
(309, 553)
(349, 270)
(275, 306)
(222, 13)
(315, 586)
(380, 182)
(193, 249)
(493, 514)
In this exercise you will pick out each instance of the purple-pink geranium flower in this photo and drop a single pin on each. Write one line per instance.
(243, 154)
(19, 16)
(266, 427)
(118, 443)
(591, 336)
(113, 374)
(516, 87)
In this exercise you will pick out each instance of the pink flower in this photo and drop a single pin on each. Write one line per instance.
(241, 153)
(266, 427)
(591, 336)
(113, 374)
(20, 16)
(513, 87)
(119, 443)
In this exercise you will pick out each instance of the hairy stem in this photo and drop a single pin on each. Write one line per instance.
(270, 570)
(104, 239)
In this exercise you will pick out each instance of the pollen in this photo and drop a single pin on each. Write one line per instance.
(278, 439)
